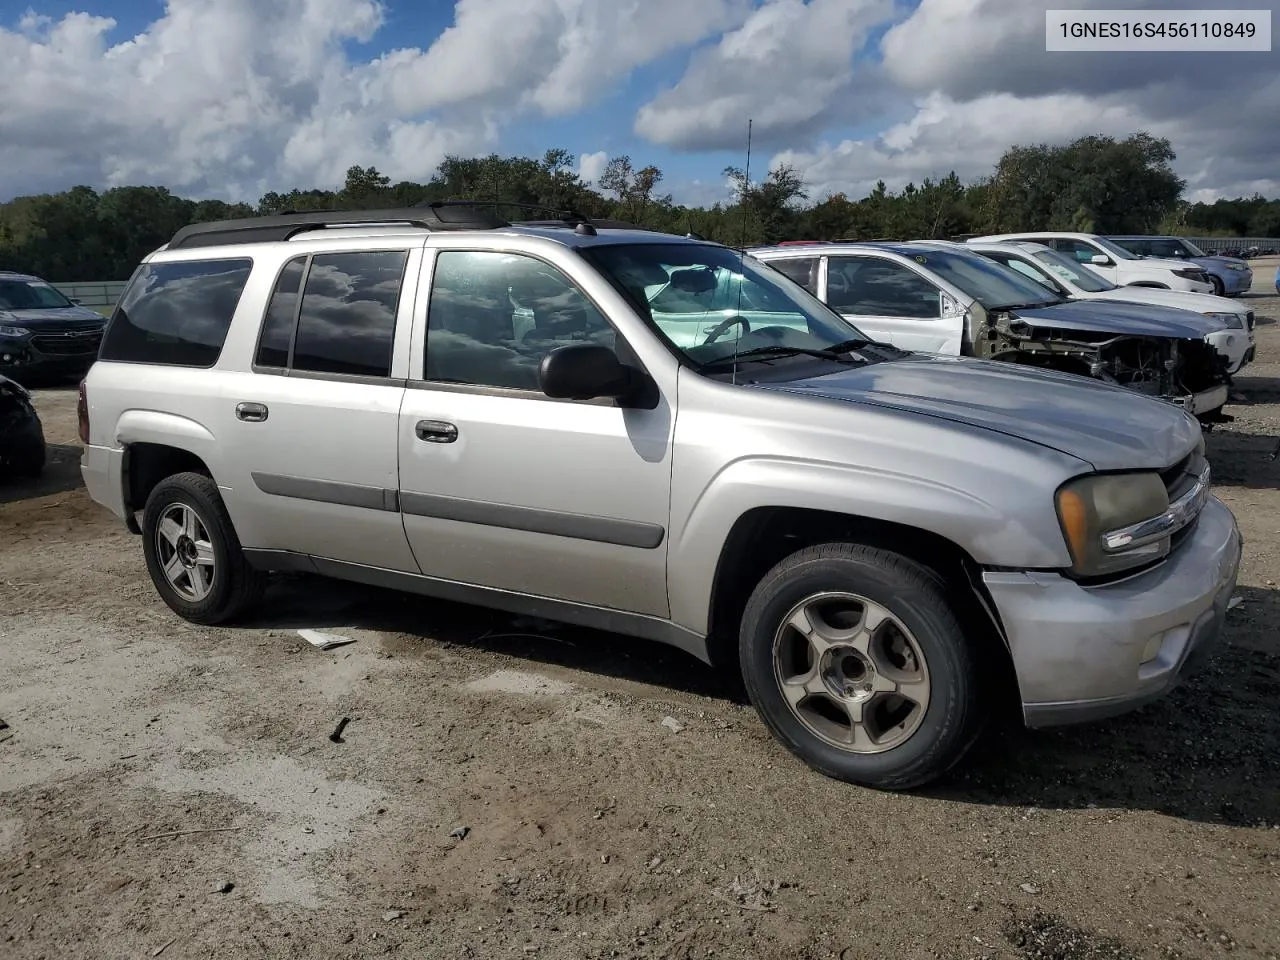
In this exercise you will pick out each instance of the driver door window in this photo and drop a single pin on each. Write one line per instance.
(494, 316)
(1081, 251)
(865, 287)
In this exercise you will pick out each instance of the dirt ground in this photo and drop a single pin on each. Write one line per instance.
(511, 790)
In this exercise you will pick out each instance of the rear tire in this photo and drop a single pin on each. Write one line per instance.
(858, 664)
(193, 554)
(29, 464)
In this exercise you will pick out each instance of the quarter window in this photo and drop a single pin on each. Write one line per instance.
(866, 287)
(176, 313)
(347, 320)
(282, 311)
(494, 316)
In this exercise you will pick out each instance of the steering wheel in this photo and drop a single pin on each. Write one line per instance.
(724, 325)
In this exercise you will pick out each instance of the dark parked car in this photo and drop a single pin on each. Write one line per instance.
(22, 448)
(43, 332)
(1230, 276)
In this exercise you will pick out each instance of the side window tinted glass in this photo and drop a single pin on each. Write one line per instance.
(277, 325)
(348, 317)
(176, 313)
(1083, 252)
(803, 270)
(494, 316)
(867, 287)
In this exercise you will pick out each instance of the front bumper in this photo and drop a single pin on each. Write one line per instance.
(1233, 344)
(50, 353)
(1236, 282)
(1194, 286)
(103, 472)
(1078, 651)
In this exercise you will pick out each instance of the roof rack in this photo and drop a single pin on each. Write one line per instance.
(440, 215)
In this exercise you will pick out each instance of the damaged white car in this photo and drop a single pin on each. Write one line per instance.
(944, 298)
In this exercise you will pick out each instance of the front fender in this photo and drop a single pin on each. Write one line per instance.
(986, 525)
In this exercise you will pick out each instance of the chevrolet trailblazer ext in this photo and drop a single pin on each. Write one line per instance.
(440, 401)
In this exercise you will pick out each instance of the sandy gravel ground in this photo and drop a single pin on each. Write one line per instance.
(510, 790)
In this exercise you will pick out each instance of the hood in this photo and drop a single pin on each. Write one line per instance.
(1167, 263)
(1110, 427)
(1218, 258)
(75, 315)
(1120, 317)
(1200, 303)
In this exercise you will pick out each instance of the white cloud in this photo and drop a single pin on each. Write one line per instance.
(789, 68)
(591, 165)
(944, 135)
(553, 55)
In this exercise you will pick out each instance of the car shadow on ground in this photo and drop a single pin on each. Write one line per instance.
(416, 624)
(1250, 460)
(1208, 752)
(61, 473)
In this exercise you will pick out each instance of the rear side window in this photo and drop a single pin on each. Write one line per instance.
(282, 311)
(347, 319)
(176, 313)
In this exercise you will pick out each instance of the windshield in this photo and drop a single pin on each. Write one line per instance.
(30, 295)
(1192, 249)
(1076, 274)
(993, 285)
(1117, 251)
(709, 302)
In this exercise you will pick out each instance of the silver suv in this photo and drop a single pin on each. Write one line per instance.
(541, 419)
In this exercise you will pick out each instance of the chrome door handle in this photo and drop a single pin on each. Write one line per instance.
(251, 412)
(436, 431)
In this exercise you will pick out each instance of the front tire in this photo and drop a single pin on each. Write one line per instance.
(857, 663)
(1218, 289)
(193, 554)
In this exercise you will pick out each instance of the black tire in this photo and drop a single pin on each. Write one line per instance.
(916, 597)
(1218, 288)
(235, 586)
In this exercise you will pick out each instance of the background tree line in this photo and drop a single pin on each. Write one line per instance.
(1096, 184)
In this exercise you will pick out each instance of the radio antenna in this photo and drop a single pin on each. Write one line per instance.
(742, 245)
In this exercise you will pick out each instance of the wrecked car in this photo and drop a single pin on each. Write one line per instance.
(22, 446)
(940, 298)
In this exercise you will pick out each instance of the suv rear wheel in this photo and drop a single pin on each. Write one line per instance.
(856, 661)
(193, 553)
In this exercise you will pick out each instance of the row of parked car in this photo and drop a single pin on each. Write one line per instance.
(1039, 299)
(893, 485)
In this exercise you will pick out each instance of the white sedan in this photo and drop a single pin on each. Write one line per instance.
(1065, 276)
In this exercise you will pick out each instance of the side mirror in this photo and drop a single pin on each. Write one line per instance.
(1100, 260)
(585, 371)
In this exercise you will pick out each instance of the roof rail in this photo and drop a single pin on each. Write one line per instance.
(433, 216)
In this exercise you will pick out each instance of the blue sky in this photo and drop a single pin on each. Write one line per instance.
(231, 98)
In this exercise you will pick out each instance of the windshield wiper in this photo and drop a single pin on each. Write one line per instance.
(838, 352)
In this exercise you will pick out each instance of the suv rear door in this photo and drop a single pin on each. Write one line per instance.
(503, 487)
(313, 426)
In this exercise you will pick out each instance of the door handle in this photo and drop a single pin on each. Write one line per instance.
(251, 412)
(436, 431)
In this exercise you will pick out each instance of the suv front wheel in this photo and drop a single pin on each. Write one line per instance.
(857, 663)
(193, 553)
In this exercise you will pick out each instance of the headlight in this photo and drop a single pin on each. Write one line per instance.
(1092, 509)
(8, 331)
(1232, 320)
